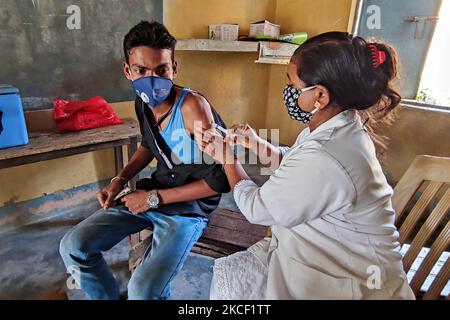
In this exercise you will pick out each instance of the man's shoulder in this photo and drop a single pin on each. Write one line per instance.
(194, 101)
(195, 107)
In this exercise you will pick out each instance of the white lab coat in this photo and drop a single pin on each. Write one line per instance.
(329, 205)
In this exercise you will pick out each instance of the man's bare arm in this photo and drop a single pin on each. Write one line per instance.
(140, 159)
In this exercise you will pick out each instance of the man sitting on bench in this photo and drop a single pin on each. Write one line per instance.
(178, 198)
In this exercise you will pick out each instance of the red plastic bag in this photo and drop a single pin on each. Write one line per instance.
(80, 115)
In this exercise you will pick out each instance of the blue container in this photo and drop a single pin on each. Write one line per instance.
(13, 129)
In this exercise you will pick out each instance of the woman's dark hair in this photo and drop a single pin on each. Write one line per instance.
(343, 64)
(151, 34)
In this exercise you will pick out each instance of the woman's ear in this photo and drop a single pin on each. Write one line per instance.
(322, 96)
(127, 70)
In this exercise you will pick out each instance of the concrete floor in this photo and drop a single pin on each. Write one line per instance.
(31, 266)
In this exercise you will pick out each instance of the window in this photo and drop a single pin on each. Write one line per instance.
(418, 30)
(434, 86)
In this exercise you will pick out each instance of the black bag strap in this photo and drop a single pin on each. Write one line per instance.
(147, 115)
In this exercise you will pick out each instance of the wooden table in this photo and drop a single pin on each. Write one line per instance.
(52, 145)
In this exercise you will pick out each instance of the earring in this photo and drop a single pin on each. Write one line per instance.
(317, 107)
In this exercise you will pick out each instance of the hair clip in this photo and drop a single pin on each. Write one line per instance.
(378, 56)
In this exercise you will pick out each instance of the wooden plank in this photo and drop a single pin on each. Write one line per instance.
(235, 221)
(422, 168)
(216, 45)
(237, 225)
(212, 250)
(426, 230)
(132, 147)
(230, 229)
(40, 121)
(418, 209)
(40, 143)
(134, 239)
(439, 282)
(267, 60)
(223, 236)
(118, 157)
(228, 213)
(440, 244)
(36, 157)
(137, 253)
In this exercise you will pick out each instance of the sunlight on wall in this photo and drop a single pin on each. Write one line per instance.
(434, 87)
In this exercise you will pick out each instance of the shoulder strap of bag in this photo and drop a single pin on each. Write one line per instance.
(146, 114)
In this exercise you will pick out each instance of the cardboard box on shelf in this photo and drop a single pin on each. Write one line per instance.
(275, 52)
(276, 49)
(228, 32)
(264, 28)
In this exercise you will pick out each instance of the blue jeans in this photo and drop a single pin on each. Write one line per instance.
(173, 238)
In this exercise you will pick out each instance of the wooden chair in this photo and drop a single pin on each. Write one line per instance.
(422, 201)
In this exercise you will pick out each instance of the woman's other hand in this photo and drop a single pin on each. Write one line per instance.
(212, 143)
(242, 134)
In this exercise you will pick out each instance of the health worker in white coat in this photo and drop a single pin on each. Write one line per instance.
(328, 203)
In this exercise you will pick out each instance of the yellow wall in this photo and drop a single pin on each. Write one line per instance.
(314, 17)
(190, 19)
(232, 82)
(416, 131)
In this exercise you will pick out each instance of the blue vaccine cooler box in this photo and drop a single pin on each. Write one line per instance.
(13, 129)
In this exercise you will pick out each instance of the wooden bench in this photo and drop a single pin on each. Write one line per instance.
(422, 204)
(49, 145)
(227, 232)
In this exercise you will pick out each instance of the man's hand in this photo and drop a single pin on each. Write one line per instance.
(106, 195)
(136, 202)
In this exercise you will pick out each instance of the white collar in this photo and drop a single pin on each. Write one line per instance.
(339, 120)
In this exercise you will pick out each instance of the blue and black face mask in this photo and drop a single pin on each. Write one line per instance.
(152, 90)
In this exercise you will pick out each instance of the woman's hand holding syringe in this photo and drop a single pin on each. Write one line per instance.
(244, 135)
(240, 134)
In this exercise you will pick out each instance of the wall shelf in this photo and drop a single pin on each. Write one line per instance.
(233, 46)
(215, 45)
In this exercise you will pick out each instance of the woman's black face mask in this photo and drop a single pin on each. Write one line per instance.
(291, 96)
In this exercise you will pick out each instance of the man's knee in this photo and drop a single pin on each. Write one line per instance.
(72, 245)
